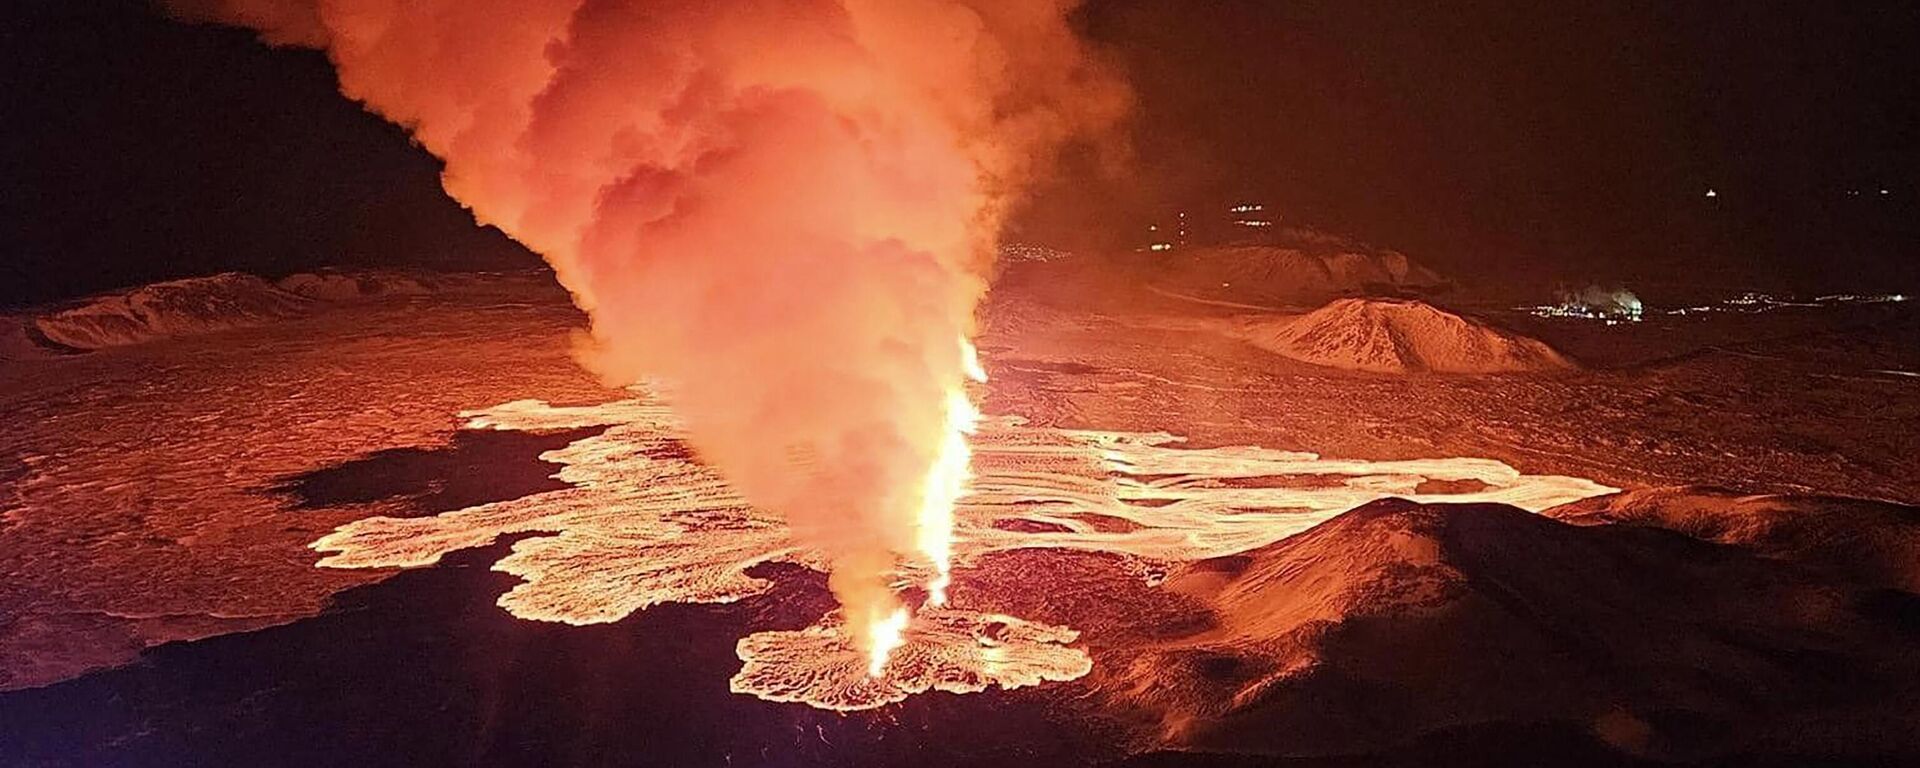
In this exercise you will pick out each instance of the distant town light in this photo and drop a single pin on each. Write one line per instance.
(1012, 252)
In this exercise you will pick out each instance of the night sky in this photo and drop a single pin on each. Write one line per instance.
(1556, 138)
(1511, 140)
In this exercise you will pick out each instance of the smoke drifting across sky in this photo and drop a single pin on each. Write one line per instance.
(784, 209)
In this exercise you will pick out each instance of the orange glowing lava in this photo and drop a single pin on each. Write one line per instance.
(642, 524)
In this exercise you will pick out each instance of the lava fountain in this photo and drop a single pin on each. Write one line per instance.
(947, 480)
(945, 483)
(782, 210)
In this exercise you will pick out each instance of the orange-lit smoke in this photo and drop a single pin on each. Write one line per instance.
(783, 209)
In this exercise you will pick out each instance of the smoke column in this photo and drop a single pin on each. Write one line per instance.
(783, 209)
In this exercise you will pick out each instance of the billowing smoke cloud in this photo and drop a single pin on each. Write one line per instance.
(781, 208)
(1610, 301)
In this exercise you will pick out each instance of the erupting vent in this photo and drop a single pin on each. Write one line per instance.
(644, 525)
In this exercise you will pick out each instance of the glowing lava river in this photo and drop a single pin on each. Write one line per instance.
(643, 523)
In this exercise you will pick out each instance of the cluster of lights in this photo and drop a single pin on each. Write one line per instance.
(1241, 219)
(1031, 252)
(1246, 215)
(1855, 298)
(1582, 311)
(1754, 302)
(1854, 192)
(1180, 235)
(1750, 302)
(1611, 307)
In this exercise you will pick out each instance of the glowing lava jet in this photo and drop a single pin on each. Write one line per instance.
(781, 209)
(946, 482)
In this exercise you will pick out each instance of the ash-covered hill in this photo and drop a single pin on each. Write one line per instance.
(1398, 336)
(1398, 621)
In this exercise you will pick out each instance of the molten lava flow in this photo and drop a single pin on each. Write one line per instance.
(642, 523)
(953, 651)
(782, 209)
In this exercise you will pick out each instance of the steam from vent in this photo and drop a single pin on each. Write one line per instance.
(783, 209)
(1601, 299)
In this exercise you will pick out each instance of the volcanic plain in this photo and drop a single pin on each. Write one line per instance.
(392, 522)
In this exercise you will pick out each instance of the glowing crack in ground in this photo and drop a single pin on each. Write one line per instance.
(644, 523)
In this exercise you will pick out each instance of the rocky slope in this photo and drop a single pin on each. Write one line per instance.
(1397, 621)
(1871, 543)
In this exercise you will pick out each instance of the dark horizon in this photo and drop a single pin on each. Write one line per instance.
(1533, 138)
(1502, 140)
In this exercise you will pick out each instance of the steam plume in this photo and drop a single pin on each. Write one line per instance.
(781, 208)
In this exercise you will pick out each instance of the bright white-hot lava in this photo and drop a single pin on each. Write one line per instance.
(642, 524)
(883, 637)
(947, 480)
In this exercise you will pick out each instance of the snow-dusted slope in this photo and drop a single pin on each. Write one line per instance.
(1272, 274)
(348, 286)
(1301, 270)
(198, 305)
(173, 308)
(17, 339)
(1875, 543)
(1399, 336)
